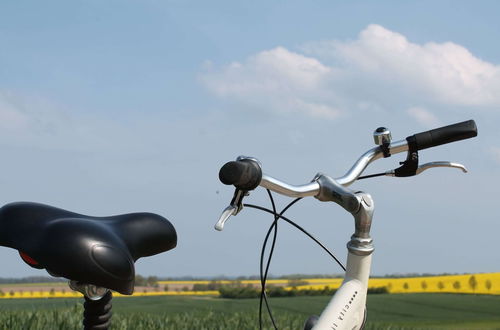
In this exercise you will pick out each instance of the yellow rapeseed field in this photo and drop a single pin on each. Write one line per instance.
(482, 283)
(14, 294)
(72, 294)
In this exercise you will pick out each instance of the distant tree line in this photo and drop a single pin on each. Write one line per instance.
(244, 292)
(31, 279)
(211, 286)
(146, 281)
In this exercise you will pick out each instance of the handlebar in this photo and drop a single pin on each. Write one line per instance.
(246, 173)
(238, 173)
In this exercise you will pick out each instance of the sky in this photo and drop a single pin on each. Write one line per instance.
(110, 107)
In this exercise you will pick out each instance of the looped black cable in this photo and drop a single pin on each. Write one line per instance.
(263, 276)
(301, 229)
(274, 228)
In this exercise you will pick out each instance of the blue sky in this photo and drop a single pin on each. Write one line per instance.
(110, 107)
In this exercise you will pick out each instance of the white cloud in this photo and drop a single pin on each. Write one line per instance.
(275, 70)
(447, 72)
(423, 116)
(378, 69)
(277, 79)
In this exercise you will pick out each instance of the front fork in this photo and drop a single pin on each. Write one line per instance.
(346, 310)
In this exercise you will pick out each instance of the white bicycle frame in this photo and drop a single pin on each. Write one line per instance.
(346, 310)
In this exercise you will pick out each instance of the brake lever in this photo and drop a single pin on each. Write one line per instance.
(234, 208)
(429, 165)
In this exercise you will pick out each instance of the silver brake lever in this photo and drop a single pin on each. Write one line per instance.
(427, 166)
(228, 212)
(234, 208)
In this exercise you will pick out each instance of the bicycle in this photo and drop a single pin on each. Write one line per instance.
(96, 254)
(347, 308)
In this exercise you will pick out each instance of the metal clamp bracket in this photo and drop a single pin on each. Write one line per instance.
(93, 292)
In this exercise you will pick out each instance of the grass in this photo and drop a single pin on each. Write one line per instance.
(435, 311)
(385, 311)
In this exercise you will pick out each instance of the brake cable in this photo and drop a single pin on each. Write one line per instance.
(273, 227)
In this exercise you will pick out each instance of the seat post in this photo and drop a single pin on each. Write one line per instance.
(97, 307)
(97, 313)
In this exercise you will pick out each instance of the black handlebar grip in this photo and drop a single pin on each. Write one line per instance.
(243, 174)
(442, 135)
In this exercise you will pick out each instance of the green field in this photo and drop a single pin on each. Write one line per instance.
(386, 311)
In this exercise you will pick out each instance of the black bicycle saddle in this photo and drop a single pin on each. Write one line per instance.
(91, 250)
